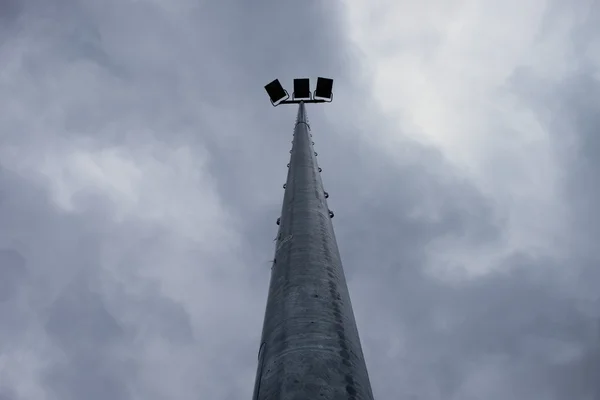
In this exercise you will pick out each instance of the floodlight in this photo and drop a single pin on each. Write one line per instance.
(301, 94)
(324, 88)
(276, 92)
(302, 89)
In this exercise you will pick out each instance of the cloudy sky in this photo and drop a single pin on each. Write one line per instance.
(141, 167)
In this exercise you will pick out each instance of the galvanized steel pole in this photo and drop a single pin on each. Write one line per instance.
(310, 347)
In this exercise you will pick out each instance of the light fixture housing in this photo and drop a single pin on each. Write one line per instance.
(324, 88)
(276, 92)
(302, 89)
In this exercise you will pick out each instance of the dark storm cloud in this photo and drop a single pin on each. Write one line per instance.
(107, 298)
(572, 118)
(529, 329)
(9, 10)
(432, 338)
(578, 107)
(12, 273)
(569, 110)
(79, 316)
(78, 320)
(5, 394)
(81, 79)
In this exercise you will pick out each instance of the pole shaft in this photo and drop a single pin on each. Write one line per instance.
(310, 347)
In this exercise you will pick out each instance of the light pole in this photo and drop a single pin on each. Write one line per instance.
(310, 347)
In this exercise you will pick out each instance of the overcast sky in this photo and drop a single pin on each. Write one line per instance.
(141, 172)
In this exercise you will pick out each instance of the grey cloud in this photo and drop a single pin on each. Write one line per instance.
(9, 10)
(78, 317)
(12, 273)
(570, 113)
(569, 110)
(130, 76)
(191, 74)
(528, 330)
(87, 377)
(93, 333)
(579, 98)
(6, 394)
(532, 326)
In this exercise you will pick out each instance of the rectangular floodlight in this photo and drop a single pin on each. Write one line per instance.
(324, 88)
(301, 88)
(276, 92)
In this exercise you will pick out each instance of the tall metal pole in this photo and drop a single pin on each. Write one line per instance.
(310, 348)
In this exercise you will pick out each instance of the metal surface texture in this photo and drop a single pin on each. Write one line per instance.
(310, 347)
